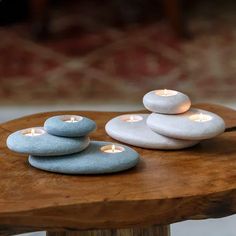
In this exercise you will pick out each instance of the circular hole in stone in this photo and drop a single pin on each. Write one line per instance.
(71, 118)
(165, 92)
(32, 132)
(112, 148)
(200, 117)
(131, 118)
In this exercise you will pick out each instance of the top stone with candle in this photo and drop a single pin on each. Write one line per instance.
(69, 126)
(166, 101)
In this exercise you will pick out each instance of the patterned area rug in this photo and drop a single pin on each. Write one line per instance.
(89, 61)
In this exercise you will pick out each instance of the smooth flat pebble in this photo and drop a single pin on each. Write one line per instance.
(45, 144)
(195, 124)
(91, 161)
(173, 102)
(139, 134)
(78, 127)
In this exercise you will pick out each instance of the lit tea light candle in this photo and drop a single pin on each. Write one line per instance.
(72, 119)
(33, 132)
(131, 118)
(112, 149)
(165, 92)
(200, 117)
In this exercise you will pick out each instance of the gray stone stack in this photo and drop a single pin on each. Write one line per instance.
(63, 146)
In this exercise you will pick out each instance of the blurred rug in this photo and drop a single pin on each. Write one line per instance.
(88, 61)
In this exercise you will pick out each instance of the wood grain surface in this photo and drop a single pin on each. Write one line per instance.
(149, 231)
(165, 187)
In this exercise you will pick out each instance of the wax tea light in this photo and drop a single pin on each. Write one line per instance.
(165, 92)
(98, 158)
(112, 149)
(195, 124)
(124, 129)
(32, 132)
(69, 126)
(131, 118)
(72, 119)
(36, 141)
(166, 101)
(200, 117)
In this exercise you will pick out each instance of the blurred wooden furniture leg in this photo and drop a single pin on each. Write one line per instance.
(149, 231)
(39, 10)
(174, 12)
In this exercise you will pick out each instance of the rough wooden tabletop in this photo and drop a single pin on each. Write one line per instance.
(165, 187)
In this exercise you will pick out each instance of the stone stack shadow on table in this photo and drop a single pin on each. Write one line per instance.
(63, 146)
(172, 124)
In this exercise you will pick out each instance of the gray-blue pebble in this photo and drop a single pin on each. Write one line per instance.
(56, 126)
(45, 144)
(91, 161)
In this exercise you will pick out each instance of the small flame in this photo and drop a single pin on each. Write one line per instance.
(201, 118)
(113, 148)
(132, 118)
(72, 119)
(32, 132)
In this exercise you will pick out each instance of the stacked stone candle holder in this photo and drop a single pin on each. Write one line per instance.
(173, 124)
(62, 145)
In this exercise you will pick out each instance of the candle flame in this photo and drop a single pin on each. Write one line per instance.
(32, 132)
(201, 117)
(72, 119)
(113, 148)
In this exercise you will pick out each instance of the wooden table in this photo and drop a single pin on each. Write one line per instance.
(166, 187)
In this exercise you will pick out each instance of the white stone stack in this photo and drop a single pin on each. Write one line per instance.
(172, 125)
(173, 117)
